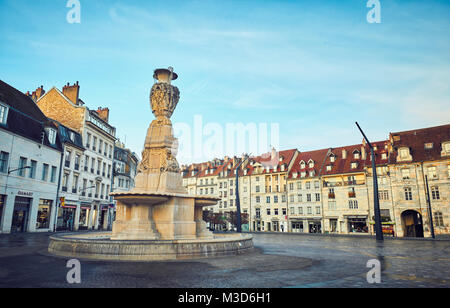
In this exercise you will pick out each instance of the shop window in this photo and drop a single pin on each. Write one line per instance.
(43, 216)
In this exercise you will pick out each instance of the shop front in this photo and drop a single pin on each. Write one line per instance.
(103, 218)
(315, 226)
(66, 217)
(44, 214)
(2, 207)
(83, 223)
(357, 224)
(21, 214)
(297, 226)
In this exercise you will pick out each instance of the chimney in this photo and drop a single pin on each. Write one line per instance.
(103, 113)
(363, 152)
(72, 92)
(344, 154)
(37, 94)
(273, 154)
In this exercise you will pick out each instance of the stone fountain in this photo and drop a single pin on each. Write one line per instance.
(157, 219)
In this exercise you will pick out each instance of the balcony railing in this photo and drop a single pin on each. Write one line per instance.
(331, 196)
(352, 195)
(355, 182)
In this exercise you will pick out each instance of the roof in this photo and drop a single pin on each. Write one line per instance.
(21, 102)
(317, 156)
(415, 140)
(25, 118)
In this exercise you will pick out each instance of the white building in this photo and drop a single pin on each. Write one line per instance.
(30, 158)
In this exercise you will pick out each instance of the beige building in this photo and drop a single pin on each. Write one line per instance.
(92, 181)
(331, 190)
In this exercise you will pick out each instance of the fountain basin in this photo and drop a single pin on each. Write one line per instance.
(99, 246)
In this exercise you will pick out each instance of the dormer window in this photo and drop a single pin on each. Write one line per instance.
(303, 174)
(356, 155)
(3, 114)
(428, 145)
(51, 134)
(312, 173)
(354, 165)
(404, 154)
(329, 168)
(294, 175)
(445, 148)
(311, 163)
(302, 165)
(383, 156)
(282, 167)
(332, 158)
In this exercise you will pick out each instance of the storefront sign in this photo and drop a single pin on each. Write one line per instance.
(25, 193)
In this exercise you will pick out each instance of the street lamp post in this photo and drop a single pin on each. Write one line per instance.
(238, 202)
(376, 202)
(430, 213)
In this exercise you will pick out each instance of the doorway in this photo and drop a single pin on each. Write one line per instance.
(412, 224)
(20, 214)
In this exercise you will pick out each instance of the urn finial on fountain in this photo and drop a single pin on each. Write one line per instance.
(164, 96)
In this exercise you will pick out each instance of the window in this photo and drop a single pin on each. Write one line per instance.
(291, 198)
(383, 195)
(275, 211)
(311, 164)
(5, 156)
(268, 212)
(438, 219)
(435, 193)
(268, 199)
(308, 197)
(32, 174)
(284, 211)
(22, 165)
(408, 193)
(317, 210)
(283, 198)
(332, 158)
(428, 145)
(100, 145)
(328, 168)
(300, 210)
(77, 161)
(291, 186)
(3, 114)
(74, 183)
(299, 185)
(353, 204)
(384, 156)
(51, 135)
(356, 155)
(94, 143)
(67, 159)
(316, 184)
(317, 197)
(275, 199)
(332, 205)
(88, 140)
(257, 188)
(308, 185)
(258, 199)
(354, 165)
(300, 198)
(309, 210)
(45, 172)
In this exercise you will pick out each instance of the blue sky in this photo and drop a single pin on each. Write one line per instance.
(314, 67)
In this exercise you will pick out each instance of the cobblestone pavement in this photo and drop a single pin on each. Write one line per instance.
(279, 260)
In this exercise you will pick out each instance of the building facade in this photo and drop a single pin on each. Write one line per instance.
(30, 159)
(331, 190)
(93, 183)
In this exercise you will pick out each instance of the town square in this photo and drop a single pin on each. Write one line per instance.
(240, 146)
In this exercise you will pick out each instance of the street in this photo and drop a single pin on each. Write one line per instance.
(278, 261)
